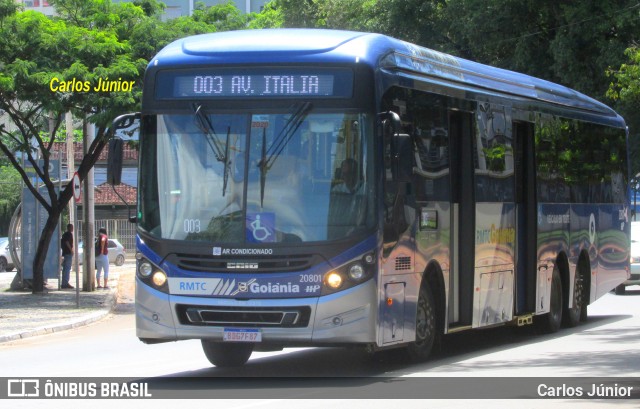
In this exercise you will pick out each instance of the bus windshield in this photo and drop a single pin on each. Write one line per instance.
(298, 176)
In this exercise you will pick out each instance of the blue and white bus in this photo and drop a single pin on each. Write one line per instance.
(331, 188)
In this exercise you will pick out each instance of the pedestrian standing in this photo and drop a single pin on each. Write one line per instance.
(102, 259)
(66, 242)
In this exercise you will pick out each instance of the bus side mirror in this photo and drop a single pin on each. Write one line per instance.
(403, 158)
(123, 127)
(390, 123)
(398, 147)
(114, 162)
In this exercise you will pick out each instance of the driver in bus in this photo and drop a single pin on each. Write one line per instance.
(351, 183)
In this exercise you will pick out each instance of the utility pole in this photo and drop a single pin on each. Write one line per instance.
(88, 262)
(71, 167)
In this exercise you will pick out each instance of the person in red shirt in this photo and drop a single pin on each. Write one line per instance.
(102, 260)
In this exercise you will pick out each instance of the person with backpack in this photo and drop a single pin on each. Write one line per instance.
(102, 259)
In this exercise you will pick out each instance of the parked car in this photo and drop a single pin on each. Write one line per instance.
(635, 259)
(116, 252)
(6, 262)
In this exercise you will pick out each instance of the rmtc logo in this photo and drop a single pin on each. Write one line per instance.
(193, 286)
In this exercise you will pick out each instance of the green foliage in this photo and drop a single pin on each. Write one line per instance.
(61, 135)
(571, 43)
(269, 17)
(625, 88)
(223, 17)
(42, 60)
(302, 13)
(627, 78)
(10, 189)
(151, 8)
(8, 8)
(50, 66)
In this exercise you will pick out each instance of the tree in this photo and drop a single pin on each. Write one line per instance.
(269, 17)
(571, 43)
(54, 66)
(302, 13)
(625, 88)
(9, 196)
(50, 67)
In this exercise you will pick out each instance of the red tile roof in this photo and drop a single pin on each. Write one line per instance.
(128, 154)
(104, 194)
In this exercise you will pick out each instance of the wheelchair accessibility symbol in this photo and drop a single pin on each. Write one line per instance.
(260, 227)
(260, 232)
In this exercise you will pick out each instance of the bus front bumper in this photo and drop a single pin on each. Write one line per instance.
(346, 317)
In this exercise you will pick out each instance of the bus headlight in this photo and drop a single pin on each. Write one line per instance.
(350, 274)
(333, 280)
(152, 275)
(356, 272)
(145, 269)
(159, 278)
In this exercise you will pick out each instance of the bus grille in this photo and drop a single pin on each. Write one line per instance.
(272, 317)
(245, 264)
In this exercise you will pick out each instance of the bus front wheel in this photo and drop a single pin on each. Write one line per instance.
(225, 355)
(426, 330)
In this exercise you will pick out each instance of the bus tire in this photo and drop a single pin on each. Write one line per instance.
(571, 316)
(225, 355)
(551, 321)
(620, 290)
(426, 328)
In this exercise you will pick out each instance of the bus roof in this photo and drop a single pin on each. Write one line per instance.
(380, 52)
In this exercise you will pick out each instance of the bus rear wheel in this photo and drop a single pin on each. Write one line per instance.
(426, 329)
(225, 355)
(550, 322)
(573, 314)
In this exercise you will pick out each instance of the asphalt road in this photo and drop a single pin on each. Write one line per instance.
(606, 346)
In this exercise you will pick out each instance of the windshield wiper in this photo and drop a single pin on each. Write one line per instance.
(226, 163)
(279, 143)
(220, 152)
(287, 132)
(263, 165)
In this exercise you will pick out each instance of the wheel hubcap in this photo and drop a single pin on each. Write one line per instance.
(424, 325)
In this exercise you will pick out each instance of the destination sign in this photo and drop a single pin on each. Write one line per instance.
(255, 83)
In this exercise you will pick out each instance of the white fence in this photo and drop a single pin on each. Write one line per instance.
(119, 229)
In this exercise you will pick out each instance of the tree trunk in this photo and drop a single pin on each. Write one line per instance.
(42, 250)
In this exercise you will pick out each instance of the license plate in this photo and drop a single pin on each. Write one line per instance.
(241, 335)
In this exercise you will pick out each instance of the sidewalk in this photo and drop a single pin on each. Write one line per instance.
(23, 314)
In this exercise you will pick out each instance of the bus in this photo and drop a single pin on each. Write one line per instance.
(303, 187)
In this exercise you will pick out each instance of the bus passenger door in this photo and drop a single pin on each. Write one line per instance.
(460, 308)
(526, 229)
(494, 235)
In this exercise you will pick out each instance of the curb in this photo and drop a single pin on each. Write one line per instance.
(90, 318)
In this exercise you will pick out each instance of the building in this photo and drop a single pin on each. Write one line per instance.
(107, 203)
(174, 8)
